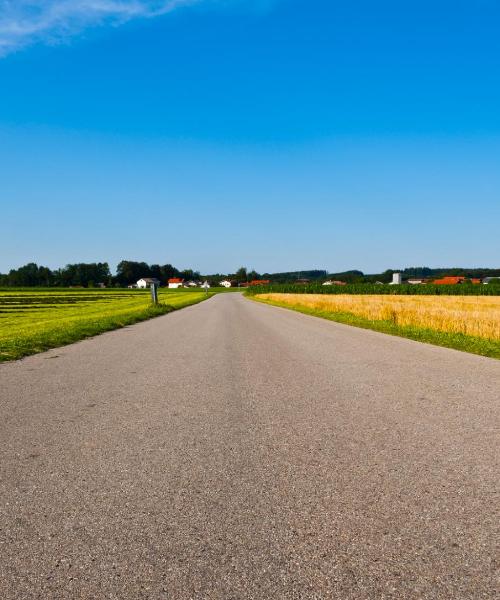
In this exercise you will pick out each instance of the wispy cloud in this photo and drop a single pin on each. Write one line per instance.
(25, 22)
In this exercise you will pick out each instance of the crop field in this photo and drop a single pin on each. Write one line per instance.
(428, 289)
(470, 323)
(33, 320)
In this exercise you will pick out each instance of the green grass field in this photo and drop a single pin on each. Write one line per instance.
(36, 319)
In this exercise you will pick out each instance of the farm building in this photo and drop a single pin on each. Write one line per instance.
(225, 283)
(175, 283)
(146, 282)
(260, 282)
(334, 282)
(491, 280)
(454, 280)
(191, 284)
(397, 279)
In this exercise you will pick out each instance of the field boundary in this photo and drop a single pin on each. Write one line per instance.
(456, 341)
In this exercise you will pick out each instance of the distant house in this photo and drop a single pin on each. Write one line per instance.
(334, 282)
(146, 282)
(491, 279)
(175, 283)
(191, 284)
(416, 281)
(449, 280)
(225, 283)
(303, 281)
(260, 282)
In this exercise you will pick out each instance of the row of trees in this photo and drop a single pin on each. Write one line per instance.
(79, 274)
(415, 272)
(128, 271)
(90, 274)
(95, 274)
(355, 276)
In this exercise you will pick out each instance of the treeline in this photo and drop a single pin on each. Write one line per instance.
(90, 275)
(355, 276)
(128, 272)
(79, 274)
(417, 273)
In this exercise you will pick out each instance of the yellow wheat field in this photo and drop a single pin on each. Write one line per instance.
(471, 315)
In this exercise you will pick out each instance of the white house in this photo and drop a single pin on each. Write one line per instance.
(225, 283)
(334, 282)
(175, 283)
(146, 282)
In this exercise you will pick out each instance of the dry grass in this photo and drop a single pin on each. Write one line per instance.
(477, 316)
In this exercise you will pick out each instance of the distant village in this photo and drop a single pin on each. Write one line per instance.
(134, 274)
(397, 279)
(176, 283)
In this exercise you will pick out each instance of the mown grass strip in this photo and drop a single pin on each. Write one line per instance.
(457, 341)
(25, 333)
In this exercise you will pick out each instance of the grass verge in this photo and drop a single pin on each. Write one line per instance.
(457, 341)
(32, 331)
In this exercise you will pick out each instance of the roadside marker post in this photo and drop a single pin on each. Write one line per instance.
(154, 293)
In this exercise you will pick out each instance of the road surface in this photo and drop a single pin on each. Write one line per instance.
(234, 450)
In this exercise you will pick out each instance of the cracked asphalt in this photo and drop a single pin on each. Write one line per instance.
(234, 450)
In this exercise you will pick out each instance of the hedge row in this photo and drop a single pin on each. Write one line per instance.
(464, 289)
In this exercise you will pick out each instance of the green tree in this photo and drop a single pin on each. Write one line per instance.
(241, 275)
(29, 275)
(83, 274)
(129, 271)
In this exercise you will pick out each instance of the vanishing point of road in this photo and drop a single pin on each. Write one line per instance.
(233, 450)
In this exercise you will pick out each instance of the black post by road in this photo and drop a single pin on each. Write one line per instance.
(154, 293)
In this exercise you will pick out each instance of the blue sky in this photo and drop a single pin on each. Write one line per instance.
(277, 135)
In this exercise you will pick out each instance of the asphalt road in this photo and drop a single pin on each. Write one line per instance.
(234, 450)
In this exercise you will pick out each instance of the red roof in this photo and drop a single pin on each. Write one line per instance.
(175, 280)
(449, 280)
(260, 282)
